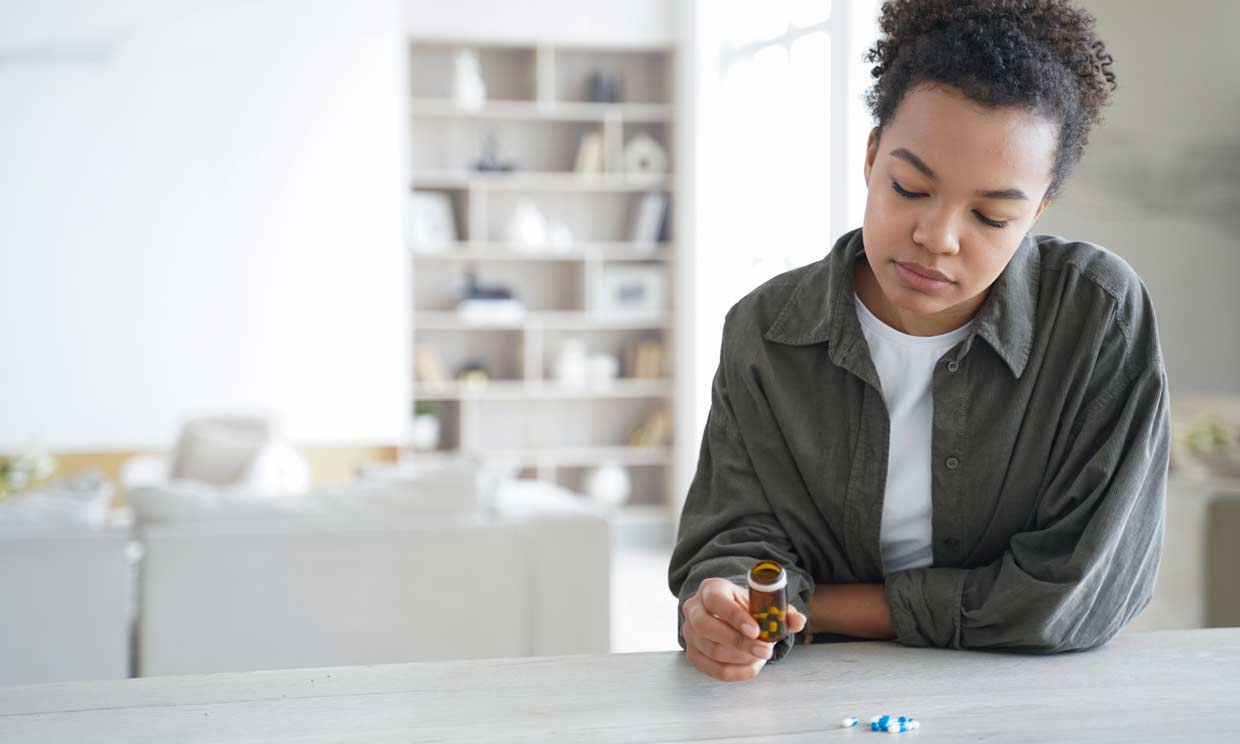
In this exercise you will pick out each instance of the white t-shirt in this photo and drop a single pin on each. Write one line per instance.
(905, 367)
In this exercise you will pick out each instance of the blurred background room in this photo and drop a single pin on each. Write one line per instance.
(382, 331)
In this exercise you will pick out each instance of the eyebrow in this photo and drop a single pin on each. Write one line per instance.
(920, 165)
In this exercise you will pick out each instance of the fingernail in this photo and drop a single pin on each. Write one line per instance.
(762, 651)
(751, 631)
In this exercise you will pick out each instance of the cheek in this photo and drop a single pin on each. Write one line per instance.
(984, 263)
(884, 218)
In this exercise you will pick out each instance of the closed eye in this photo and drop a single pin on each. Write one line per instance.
(916, 195)
(989, 222)
(906, 194)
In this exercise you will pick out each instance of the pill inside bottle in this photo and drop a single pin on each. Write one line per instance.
(768, 600)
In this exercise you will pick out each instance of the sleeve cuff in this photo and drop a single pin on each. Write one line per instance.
(925, 606)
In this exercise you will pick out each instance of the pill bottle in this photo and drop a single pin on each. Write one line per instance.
(768, 600)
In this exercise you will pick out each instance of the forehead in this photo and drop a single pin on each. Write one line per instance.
(972, 144)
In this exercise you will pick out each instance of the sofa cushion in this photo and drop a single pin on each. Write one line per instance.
(457, 488)
(218, 450)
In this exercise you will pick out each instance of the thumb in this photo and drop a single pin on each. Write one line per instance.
(796, 621)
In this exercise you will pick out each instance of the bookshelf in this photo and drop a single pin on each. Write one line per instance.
(500, 386)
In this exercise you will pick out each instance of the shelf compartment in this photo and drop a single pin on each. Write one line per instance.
(646, 74)
(648, 482)
(541, 287)
(590, 217)
(588, 251)
(449, 414)
(560, 457)
(557, 423)
(566, 111)
(529, 146)
(541, 181)
(508, 71)
(578, 321)
(616, 342)
(542, 390)
(501, 351)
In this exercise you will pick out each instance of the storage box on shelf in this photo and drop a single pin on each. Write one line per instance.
(567, 239)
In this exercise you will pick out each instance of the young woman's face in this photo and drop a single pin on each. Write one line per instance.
(953, 188)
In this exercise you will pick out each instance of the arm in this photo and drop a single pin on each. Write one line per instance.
(858, 610)
(727, 523)
(1088, 563)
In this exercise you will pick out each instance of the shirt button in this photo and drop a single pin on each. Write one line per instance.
(953, 462)
(951, 542)
(953, 365)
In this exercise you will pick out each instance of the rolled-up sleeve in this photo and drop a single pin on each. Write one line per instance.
(1089, 563)
(727, 523)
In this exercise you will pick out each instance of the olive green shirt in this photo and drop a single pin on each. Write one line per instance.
(1050, 443)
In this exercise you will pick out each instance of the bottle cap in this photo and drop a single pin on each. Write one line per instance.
(767, 576)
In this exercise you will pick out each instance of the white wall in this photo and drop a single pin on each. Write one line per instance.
(200, 208)
(1160, 181)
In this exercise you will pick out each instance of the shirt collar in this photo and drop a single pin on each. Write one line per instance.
(820, 308)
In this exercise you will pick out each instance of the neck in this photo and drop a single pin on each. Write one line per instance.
(906, 321)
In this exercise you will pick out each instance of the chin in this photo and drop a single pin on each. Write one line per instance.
(916, 302)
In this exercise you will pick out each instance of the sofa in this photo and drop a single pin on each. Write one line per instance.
(391, 569)
(66, 565)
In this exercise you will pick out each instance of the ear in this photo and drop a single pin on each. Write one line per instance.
(871, 153)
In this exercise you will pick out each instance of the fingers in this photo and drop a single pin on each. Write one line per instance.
(721, 636)
(723, 672)
(720, 641)
(728, 655)
(730, 605)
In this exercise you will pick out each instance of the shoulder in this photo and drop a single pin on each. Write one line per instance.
(1102, 268)
(1090, 286)
(752, 315)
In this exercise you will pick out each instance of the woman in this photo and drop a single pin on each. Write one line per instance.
(950, 431)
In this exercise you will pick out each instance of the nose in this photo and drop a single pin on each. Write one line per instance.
(936, 232)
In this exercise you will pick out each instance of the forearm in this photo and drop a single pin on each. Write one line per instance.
(858, 610)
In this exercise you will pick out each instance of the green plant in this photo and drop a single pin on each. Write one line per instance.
(1209, 434)
(24, 470)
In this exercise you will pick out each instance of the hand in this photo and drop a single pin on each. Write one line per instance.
(721, 636)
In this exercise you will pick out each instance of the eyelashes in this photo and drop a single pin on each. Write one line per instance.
(915, 195)
(906, 194)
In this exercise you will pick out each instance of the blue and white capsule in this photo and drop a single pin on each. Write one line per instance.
(901, 725)
(849, 722)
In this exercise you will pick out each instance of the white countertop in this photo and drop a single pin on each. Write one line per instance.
(1161, 686)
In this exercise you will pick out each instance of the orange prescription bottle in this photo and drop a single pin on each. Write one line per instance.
(768, 600)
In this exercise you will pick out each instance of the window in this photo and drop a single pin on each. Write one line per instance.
(779, 143)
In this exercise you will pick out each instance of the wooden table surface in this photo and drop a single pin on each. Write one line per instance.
(1160, 686)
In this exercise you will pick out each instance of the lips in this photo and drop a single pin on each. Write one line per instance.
(926, 272)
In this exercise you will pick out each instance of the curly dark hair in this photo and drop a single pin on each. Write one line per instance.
(1039, 55)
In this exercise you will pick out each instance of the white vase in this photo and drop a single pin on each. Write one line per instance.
(608, 485)
(468, 89)
(527, 227)
(644, 156)
(572, 365)
(425, 433)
